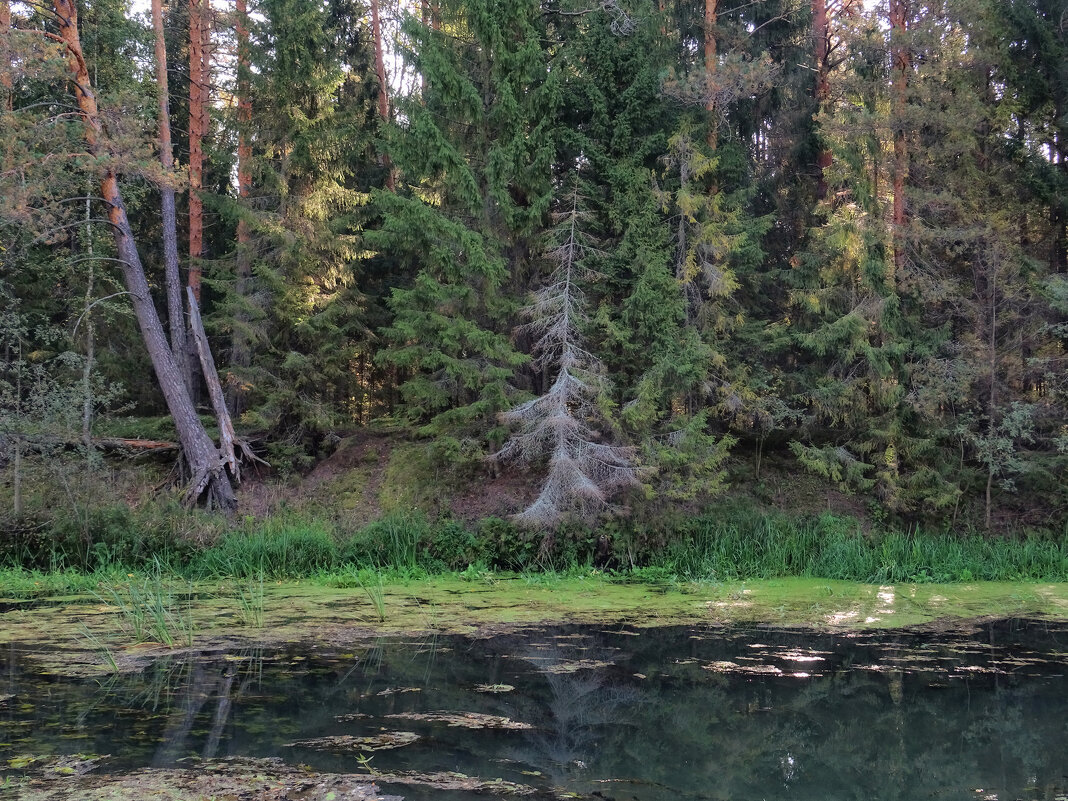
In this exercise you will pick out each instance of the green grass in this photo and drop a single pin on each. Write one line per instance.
(280, 549)
(750, 545)
(733, 543)
(21, 583)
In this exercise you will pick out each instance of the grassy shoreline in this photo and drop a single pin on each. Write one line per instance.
(128, 591)
(726, 544)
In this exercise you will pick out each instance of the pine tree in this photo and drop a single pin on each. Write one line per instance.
(970, 243)
(208, 476)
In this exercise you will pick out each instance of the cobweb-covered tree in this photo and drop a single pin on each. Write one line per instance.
(566, 423)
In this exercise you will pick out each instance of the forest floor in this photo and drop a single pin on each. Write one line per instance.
(372, 473)
(82, 635)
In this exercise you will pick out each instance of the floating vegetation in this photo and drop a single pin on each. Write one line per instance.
(234, 780)
(347, 742)
(466, 720)
(352, 716)
(398, 690)
(562, 733)
(576, 666)
(724, 666)
(52, 766)
(450, 780)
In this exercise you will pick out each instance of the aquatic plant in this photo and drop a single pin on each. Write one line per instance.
(148, 610)
(98, 645)
(376, 594)
(250, 601)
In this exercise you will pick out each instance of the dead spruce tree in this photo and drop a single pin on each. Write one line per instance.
(565, 423)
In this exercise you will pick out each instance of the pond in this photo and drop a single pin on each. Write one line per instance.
(607, 712)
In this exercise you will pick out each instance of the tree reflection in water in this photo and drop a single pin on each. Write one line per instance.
(652, 714)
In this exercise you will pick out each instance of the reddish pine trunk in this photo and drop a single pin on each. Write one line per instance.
(208, 473)
(711, 16)
(172, 278)
(380, 64)
(199, 32)
(425, 18)
(244, 117)
(902, 63)
(7, 96)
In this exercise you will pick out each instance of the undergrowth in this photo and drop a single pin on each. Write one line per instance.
(731, 543)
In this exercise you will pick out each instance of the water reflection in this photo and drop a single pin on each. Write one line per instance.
(649, 715)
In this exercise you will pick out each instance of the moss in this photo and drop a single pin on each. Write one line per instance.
(84, 635)
(410, 481)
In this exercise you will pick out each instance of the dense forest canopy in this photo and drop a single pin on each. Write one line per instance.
(621, 241)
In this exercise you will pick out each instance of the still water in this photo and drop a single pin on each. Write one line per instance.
(617, 713)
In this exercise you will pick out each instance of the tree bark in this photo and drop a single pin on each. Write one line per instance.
(208, 472)
(227, 436)
(383, 85)
(821, 37)
(172, 276)
(241, 355)
(380, 63)
(90, 340)
(16, 485)
(199, 31)
(1058, 215)
(902, 64)
(7, 94)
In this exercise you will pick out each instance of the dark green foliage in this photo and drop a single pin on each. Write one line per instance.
(303, 313)
(99, 538)
(475, 159)
(920, 364)
(453, 546)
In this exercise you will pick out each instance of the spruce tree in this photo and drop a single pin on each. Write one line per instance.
(301, 312)
(566, 424)
(474, 161)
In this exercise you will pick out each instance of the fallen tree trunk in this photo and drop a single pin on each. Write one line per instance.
(209, 481)
(38, 444)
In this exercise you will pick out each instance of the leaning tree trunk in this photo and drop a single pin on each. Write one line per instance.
(172, 277)
(207, 468)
